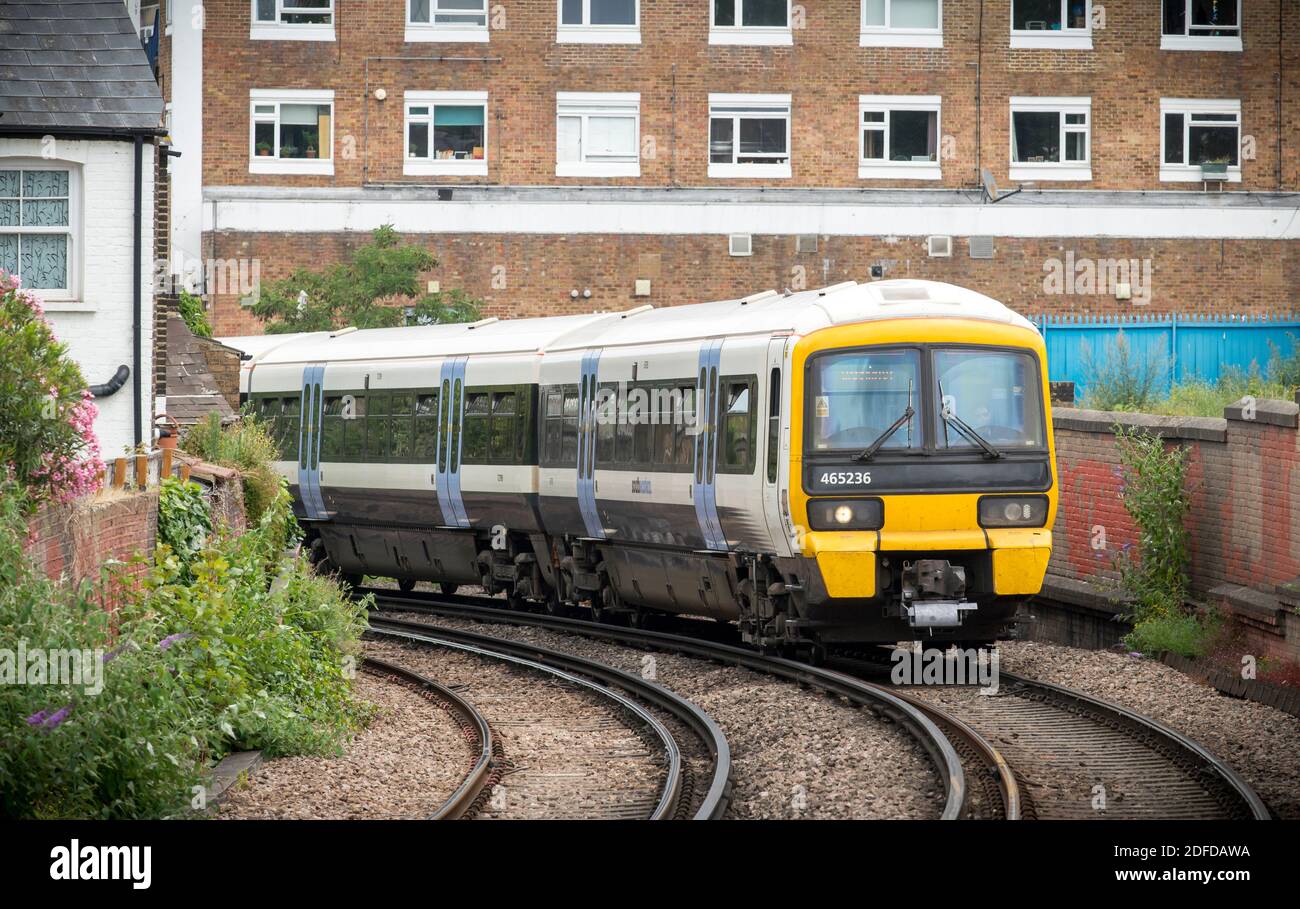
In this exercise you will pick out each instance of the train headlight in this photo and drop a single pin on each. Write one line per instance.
(846, 514)
(1013, 511)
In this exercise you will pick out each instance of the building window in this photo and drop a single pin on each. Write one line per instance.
(1050, 139)
(1200, 138)
(446, 20)
(1201, 25)
(902, 23)
(446, 133)
(599, 22)
(36, 228)
(1052, 23)
(292, 132)
(597, 135)
(900, 137)
(750, 22)
(749, 135)
(292, 20)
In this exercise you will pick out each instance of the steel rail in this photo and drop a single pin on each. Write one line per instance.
(459, 803)
(863, 694)
(602, 680)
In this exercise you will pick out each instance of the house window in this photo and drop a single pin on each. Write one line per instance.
(599, 22)
(446, 133)
(1050, 139)
(899, 137)
(1200, 138)
(292, 20)
(36, 227)
(292, 132)
(749, 135)
(1052, 23)
(1207, 25)
(750, 22)
(597, 135)
(902, 23)
(446, 20)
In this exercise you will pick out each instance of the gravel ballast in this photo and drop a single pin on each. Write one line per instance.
(796, 753)
(1260, 743)
(405, 764)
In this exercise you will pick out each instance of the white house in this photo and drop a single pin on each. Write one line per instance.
(80, 113)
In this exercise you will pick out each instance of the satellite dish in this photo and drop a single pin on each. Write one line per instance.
(990, 186)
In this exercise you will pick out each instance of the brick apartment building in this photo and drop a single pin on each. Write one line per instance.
(575, 155)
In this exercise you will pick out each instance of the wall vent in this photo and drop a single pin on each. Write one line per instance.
(805, 243)
(740, 245)
(981, 247)
(939, 247)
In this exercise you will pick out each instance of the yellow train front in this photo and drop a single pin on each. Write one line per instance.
(922, 481)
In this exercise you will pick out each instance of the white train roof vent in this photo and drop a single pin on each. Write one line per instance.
(843, 285)
(761, 295)
(644, 307)
(481, 322)
(343, 331)
(903, 294)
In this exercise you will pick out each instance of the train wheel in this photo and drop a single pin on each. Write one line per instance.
(448, 589)
(406, 586)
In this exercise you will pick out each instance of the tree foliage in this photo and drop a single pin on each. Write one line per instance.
(362, 292)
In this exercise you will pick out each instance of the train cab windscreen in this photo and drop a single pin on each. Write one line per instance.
(995, 392)
(858, 395)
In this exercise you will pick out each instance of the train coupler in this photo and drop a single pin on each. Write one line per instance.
(937, 613)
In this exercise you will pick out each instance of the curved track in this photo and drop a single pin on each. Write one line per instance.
(605, 682)
(906, 711)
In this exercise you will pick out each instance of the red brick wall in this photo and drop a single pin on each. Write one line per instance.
(1244, 476)
(541, 270)
(675, 69)
(73, 541)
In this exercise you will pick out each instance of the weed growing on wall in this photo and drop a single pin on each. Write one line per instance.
(246, 445)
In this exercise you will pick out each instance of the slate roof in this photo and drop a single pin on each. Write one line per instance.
(192, 392)
(74, 67)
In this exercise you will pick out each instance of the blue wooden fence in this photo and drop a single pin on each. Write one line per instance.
(1192, 346)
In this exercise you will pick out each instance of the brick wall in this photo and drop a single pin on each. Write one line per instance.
(74, 541)
(1244, 476)
(674, 69)
(542, 269)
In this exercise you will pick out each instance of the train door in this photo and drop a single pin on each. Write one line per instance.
(309, 426)
(586, 466)
(703, 487)
(775, 431)
(451, 413)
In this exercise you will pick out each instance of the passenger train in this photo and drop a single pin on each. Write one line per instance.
(861, 463)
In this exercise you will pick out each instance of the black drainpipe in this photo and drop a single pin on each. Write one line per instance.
(137, 301)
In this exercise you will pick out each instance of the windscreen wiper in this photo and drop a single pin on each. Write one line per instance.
(870, 451)
(965, 429)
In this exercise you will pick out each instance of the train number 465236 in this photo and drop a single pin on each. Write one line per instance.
(846, 478)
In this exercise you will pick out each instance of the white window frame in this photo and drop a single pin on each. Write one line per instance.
(286, 31)
(274, 164)
(1063, 39)
(873, 169)
(1190, 107)
(74, 230)
(888, 36)
(595, 34)
(1074, 171)
(586, 105)
(433, 31)
(433, 167)
(1189, 41)
(777, 104)
(774, 36)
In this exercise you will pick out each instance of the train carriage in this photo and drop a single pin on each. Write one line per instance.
(866, 462)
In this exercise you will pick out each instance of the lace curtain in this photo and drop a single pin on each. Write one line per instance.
(35, 213)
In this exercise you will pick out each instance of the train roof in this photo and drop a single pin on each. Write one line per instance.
(761, 313)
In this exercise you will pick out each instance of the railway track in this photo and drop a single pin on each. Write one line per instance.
(1036, 750)
(910, 715)
(678, 796)
(485, 767)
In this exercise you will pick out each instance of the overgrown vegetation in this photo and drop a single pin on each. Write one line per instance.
(1154, 492)
(47, 439)
(184, 522)
(1120, 380)
(374, 289)
(246, 445)
(196, 318)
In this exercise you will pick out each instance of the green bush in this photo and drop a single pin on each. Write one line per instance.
(246, 445)
(1182, 633)
(184, 519)
(195, 316)
(1119, 379)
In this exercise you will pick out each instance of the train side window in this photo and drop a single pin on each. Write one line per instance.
(504, 422)
(685, 428)
(426, 428)
(640, 411)
(527, 426)
(623, 434)
(377, 424)
(665, 443)
(553, 418)
(474, 449)
(774, 427)
(457, 402)
(354, 429)
(445, 422)
(569, 450)
(289, 427)
(268, 413)
(738, 427)
(711, 457)
(606, 420)
(331, 429)
(402, 419)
